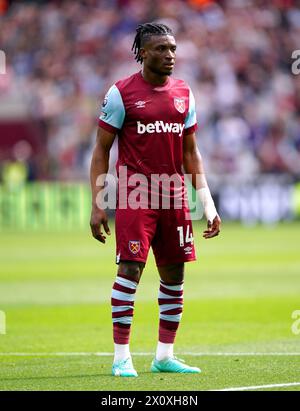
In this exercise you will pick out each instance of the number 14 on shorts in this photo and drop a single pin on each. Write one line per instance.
(187, 238)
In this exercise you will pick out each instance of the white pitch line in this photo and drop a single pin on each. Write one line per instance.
(239, 354)
(107, 354)
(260, 387)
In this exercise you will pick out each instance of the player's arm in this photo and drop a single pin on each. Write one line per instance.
(193, 166)
(110, 122)
(99, 167)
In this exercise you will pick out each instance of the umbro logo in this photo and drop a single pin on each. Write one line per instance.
(188, 250)
(140, 104)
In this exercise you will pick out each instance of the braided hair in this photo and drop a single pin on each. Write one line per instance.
(143, 32)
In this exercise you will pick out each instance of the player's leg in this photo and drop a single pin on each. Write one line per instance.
(122, 301)
(172, 246)
(170, 300)
(134, 233)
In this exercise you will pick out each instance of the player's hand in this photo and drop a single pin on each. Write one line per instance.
(213, 228)
(98, 219)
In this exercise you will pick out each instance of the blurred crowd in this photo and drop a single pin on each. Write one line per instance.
(62, 56)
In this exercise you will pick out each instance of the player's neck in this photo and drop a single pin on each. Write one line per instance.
(154, 78)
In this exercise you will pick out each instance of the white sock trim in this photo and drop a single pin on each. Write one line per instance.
(164, 351)
(122, 352)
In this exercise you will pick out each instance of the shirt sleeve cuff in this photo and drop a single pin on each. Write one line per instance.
(107, 127)
(190, 130)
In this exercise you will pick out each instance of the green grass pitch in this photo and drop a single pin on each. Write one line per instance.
(236, 326)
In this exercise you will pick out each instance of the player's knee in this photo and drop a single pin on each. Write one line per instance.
(131, 269)
(172, 274)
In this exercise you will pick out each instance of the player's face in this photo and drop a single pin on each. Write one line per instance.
(159, 54)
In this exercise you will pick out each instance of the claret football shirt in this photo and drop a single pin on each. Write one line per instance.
(151, 122)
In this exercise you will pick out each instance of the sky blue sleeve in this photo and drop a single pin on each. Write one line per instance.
(113, 110)
(191, 119)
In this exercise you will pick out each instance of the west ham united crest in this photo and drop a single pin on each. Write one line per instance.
(179, 104)
(134, 246)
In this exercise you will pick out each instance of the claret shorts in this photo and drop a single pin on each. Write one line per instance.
(168, 231)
